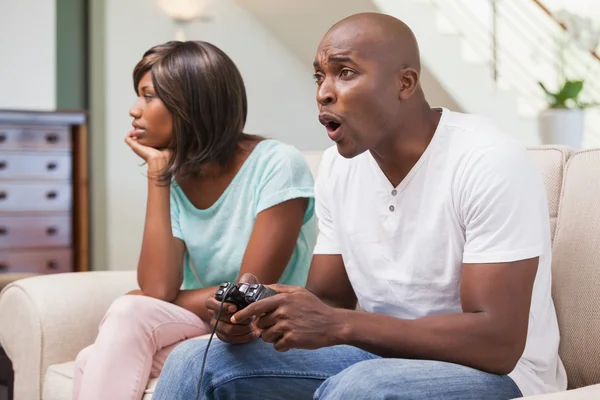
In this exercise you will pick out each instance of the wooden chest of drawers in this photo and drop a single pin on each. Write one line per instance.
(43, 192)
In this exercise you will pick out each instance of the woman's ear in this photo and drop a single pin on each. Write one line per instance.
(408, 79)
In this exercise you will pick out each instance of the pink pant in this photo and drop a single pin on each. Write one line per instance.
(135, 338)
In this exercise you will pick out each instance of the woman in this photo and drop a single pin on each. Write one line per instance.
(221, 203)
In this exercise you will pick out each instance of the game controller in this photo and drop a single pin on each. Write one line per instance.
(243, 294)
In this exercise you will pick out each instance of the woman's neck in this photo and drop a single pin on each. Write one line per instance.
(213, 170)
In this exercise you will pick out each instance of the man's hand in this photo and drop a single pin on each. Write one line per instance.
(294, 318)
(241, 332)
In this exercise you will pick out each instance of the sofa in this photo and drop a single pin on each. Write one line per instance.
(46, 320)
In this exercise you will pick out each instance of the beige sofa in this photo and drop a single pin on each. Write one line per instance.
(46, 320)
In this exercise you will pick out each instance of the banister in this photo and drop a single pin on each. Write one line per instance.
(494, 40)
(547, 11)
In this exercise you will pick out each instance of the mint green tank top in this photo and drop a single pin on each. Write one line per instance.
(216, 238)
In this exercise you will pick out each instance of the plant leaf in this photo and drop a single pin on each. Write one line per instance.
(571, 89)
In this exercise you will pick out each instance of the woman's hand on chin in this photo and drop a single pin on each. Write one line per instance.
(157, 159)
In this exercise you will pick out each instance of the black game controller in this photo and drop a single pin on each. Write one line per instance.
(243, 294)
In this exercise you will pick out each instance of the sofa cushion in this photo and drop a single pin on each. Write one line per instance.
(552, 160)
(58, 384)
(586, 393)
(576, 269)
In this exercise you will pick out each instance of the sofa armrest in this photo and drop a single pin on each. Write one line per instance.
(585, 393)
(48, 319)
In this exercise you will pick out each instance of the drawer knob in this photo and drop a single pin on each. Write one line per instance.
(52, 194)
(3, 195)
(3, 230)
(51, 230)
(52, 138)
(51, 166)
(3, 266)
(3, 164)
(53, 265)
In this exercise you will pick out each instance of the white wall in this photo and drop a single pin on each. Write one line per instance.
(300, 26)
(27, 54)
(280, 89)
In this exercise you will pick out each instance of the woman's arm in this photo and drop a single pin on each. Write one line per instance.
(283, 195)
(269, 249)
(160, 271)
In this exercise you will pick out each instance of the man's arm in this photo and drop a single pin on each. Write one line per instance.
(328, 278)
(505, 219)
(489, 334)
(501, 202)
(329, 281)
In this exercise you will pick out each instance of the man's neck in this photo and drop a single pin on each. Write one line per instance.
(398, 155)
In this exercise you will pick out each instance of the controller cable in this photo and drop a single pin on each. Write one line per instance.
(210, 340)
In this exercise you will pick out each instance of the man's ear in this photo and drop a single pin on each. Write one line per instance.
(408, 81)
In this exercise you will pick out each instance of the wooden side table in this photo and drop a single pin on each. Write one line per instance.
(44, 198)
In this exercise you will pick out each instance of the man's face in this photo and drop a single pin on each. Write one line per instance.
(356, 94)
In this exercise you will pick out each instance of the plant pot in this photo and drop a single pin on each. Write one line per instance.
(562, 126)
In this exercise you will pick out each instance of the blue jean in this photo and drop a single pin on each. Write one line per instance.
(257, 371)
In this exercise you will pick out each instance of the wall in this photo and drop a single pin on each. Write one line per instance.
(27, 54)
(98, 159)
(436, 95)
(72, 36)
(299, 26)
(281, 105)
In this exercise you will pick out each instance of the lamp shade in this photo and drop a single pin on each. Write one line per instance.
(182, 10)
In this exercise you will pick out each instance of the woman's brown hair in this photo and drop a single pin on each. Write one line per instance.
(205, 93)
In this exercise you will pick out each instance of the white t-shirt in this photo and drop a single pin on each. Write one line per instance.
(474, 196)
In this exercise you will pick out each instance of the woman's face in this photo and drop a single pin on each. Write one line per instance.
(152, 122)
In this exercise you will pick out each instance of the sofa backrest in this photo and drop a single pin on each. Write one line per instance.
(576, 268)
(313, 159)
(552, 162)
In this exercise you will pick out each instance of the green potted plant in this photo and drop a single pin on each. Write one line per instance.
(563, 121)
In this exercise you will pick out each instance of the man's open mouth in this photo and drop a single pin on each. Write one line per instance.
(329, 121)
(332, 126)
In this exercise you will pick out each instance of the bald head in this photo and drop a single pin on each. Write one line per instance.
(368, 86)
(377, 37)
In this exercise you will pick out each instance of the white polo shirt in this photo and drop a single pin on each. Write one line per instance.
(474, 196)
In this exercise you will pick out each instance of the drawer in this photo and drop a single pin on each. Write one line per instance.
(35, 196)
(14, 137)
(36, 261)
(17, 166)
(42, 231)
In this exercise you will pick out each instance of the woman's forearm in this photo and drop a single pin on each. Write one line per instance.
(159, 270)
(194, 300)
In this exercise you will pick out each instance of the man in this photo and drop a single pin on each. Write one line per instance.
(435, 221)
